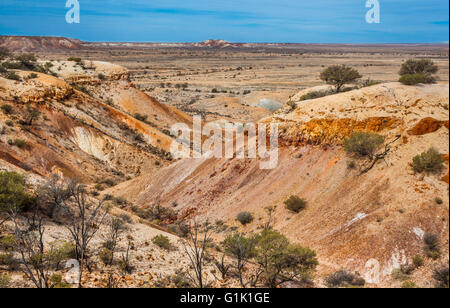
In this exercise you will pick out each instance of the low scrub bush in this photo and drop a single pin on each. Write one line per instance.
(363, 143)
(140, 117)
(438, 200)
(106, 255)
(441, 275)
(5, 281)
(58, 283)
(344, 278)
(244, 218)
(8, 242)
(418, 261)
(409, 285)
(74, 59)
(403, 273)
(315, 94)
(13, 192)
(430, 161)
(11, 76)
(413, 79)
(414, 71)
(432, 248)
(295, 204)
(161, 241)
(20, 143)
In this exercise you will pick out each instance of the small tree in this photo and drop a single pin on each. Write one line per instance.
(195, 246)
(242, 249)
(222, 267)
(282, 261)
(116, 227)
(430, 161)
(415, 71)
(84, 216)
(339, 75)
(30, 245)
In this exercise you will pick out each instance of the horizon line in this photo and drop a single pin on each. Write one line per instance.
(196, 42)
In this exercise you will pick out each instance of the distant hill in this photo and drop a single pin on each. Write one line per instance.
(39, 43)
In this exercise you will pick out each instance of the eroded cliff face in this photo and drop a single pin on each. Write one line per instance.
(371, 223)
(75, 134)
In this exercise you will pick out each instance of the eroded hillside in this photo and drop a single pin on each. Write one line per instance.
(371, 223)
(76, 134)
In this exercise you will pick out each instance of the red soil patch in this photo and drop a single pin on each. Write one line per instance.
(427, 126)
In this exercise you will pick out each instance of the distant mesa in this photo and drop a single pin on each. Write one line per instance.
(216, 44)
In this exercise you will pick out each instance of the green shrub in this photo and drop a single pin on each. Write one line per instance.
(363, 143)
(63, 251)
(401, 274)
(140, 117)
(20, 143)
(351, 164)
(181, 281)
(109, 182)
(344, 278)
(12, 76)
(432, 248)
(73, 59)
(101, 76)
(438, 200)
(11, 65)
(126, 218)
(418, 261)
(421, 66)
(28, 60)
(106, 255)
(441, 275)
(413, 79)
(7, 108)
(58, 283)
(120, 201)
(244, 218)
(5, 281)
(419, 71)
(32, 76)
(368, 83)
(295, 204)
(409, 285)
(8, 242)
(278, 259)
(161, 241)
(431, 240)
(7, 259)
(12, 192)
(430, 161)
(315, 94)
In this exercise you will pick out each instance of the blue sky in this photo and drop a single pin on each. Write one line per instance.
(300, 21)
